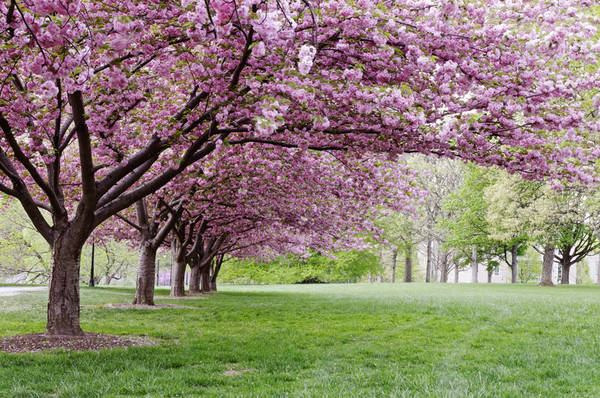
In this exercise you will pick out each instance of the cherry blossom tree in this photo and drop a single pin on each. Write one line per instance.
(255, 196)
(103, 103)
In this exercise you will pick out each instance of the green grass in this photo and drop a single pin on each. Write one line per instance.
(404, 340)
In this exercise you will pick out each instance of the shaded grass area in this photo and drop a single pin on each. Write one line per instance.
(404, 340)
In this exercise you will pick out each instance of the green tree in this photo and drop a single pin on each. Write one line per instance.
(22, 250)
(343, 267)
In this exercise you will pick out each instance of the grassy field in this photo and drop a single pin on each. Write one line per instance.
(404, 340)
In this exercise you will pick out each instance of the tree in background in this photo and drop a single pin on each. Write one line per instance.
(401, 232)
(530, 267)
(113, 261)
(343, 267)
(438, 177)
(467, 229)
(23, 252)
(508, 200)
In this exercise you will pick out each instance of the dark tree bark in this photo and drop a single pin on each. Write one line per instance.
(408, 265)
(178, 286)
(565, 268)
(428, 269)
(215, 272)
(489, 275)
(547, 264)
(63, 302)
(205, 279)
(144, 283)
(179, 265)
(394, 258)
(514, 264)
(152, 235)
(195, 277)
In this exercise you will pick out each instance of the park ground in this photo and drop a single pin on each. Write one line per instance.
(364, 340)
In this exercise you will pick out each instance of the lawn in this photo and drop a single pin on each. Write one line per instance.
(378, 340)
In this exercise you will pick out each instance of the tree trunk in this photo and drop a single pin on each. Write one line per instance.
(444, 269)
(215, 273)
(547, 266)
(564, 279)
(456, 271)
(63, 295)
(489, 272)
(394, 257)
(178, 285)
(428, 267)
(474, 267)
(205, 272)
(144, 284)
(444, 272)
(408, 265)
(195, 280)
(514, 264)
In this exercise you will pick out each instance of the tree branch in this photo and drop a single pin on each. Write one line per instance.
(128, 221)
(89, 198)
(126, 183)
(24, 160)
(286, 144)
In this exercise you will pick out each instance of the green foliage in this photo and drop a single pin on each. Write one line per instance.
(113, 262)
(530, 266)
(583, 273)
(22, 250)
(347, 267)
(466, 225)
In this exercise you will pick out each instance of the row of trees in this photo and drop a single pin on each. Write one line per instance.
(164, 115)
(476, 215)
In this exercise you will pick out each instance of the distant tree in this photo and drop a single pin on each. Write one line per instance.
(400, 231)
(22, 250)
(114, 261)
(342, 267)
(438, 178)
(531, 266)
(466, 226)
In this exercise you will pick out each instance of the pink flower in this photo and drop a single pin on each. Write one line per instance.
(117, 79)
(48, 89)
(119, 44)
(259, 49)
(306, 55)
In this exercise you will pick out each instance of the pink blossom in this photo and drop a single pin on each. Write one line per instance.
(119, 43)
(48, 89)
